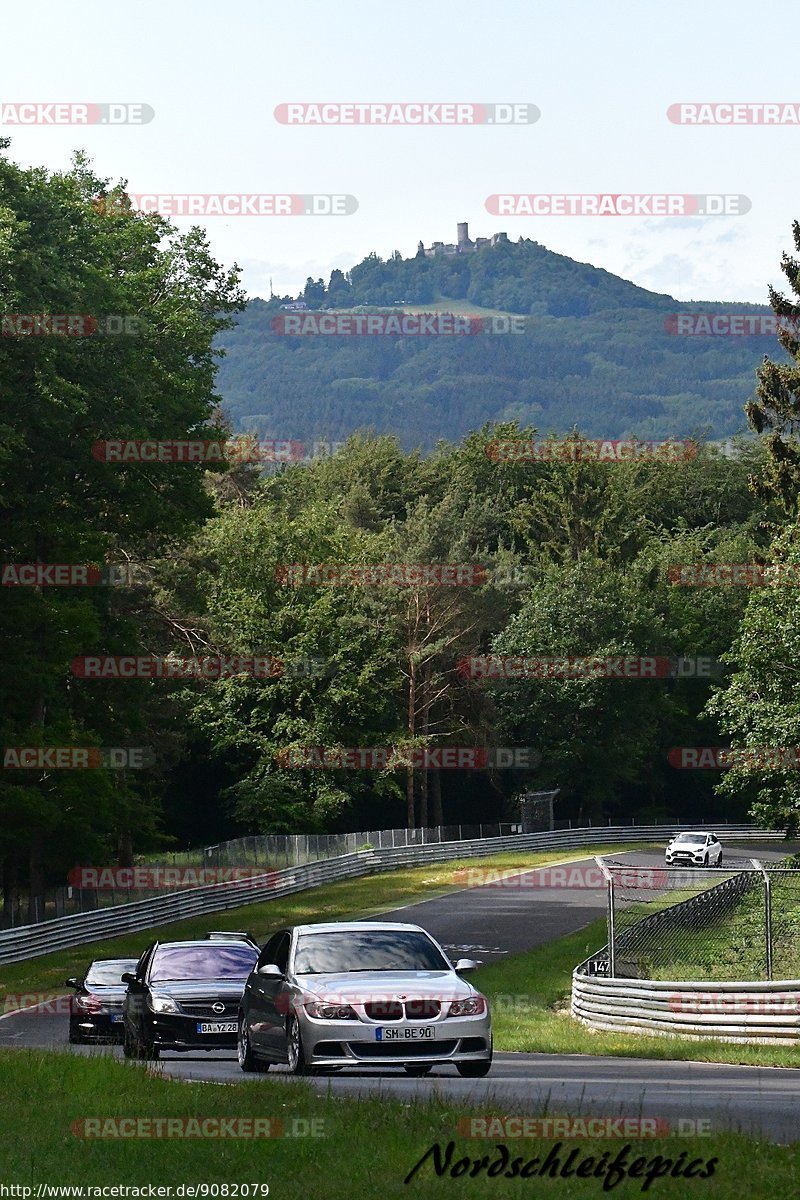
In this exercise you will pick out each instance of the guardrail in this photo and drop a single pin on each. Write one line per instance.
(31, 941)
(724, 1011)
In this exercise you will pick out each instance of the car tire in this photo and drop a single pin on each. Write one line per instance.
(135, 1048)
(74, 1038)
(244, 1052)
(474, 1070)
(149, 1052)
(294, 1049)
(719, 861)
(130, 1048)
(416, 1070)
(705, 860)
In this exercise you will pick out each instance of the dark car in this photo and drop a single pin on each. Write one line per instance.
(95, 1008)
(221, 935)
(185, 996)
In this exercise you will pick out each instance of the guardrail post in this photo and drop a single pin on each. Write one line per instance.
(610, 922)
(767, 913)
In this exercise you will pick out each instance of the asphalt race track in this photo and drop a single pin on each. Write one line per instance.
(488, 923)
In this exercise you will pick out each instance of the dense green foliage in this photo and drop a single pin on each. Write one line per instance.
(575, 556)
(62, 252)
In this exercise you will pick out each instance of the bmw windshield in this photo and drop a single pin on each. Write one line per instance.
(383, 950)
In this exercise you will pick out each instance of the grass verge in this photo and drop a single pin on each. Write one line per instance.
(367, 1149)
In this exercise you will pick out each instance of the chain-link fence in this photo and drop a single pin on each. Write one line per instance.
(91, 888)
(737, 922)
(294, 850)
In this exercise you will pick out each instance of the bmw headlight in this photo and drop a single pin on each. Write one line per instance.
(467, 1008)
(330, 1012)
(162, 1004)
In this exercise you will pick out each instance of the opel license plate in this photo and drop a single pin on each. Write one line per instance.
(217, 1027)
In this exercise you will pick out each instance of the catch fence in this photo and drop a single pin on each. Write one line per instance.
(676, 923)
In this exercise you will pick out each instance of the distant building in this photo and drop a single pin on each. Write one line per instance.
(463, 243)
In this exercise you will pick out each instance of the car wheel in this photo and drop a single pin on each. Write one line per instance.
(719, 861)
(75, 1038)
(474, 1070)
(705, 860)
(418, 1069)
(294, 1049)
(149, 1051)
(244, 1052)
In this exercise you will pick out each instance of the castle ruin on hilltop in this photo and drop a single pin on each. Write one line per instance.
(464, 244)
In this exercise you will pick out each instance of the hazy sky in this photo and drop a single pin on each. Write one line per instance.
(602, 73)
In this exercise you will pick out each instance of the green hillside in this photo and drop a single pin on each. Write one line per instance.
(596, 352)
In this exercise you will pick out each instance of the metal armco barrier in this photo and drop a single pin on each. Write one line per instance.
(31, 941)
(735, 1012)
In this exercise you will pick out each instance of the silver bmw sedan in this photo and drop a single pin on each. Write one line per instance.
(362, 993)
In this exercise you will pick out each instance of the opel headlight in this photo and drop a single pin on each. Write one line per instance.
(162, 1004)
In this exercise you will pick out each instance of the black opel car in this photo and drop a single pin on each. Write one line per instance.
(95, 1008)
(185, 996)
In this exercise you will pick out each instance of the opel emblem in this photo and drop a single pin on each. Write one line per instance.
(218, 1007)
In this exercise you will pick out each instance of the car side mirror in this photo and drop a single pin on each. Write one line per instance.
(72, 982)
(466, 964)
(126, 977)
(270, 971)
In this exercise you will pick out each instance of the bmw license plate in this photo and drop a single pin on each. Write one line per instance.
(411, 1033)
(217, 1027)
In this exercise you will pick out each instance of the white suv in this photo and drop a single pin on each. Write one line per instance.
(697, 849)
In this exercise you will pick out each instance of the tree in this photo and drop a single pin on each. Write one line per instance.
(69, 244)
(775, 410)
(314, 292)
